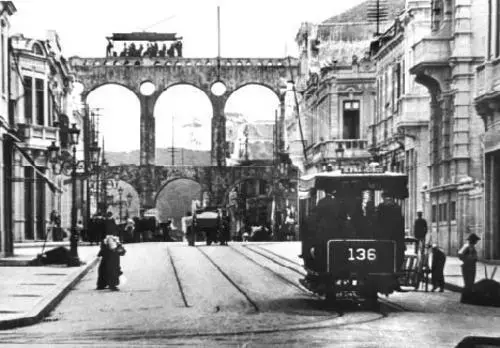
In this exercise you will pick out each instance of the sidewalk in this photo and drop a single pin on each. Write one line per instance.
(452, 271)
(29, 293)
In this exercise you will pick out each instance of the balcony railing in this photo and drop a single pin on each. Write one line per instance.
(353, 148)
(431, 52)
(36, 135)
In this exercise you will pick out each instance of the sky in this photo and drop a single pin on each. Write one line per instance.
(251, 28)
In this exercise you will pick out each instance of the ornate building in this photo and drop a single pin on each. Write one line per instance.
(444, 62)
(7, 9)
(336, 91)
(488, 106)
(43, 110)
(400, 124)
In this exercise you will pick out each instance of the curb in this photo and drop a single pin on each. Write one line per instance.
(45, 306)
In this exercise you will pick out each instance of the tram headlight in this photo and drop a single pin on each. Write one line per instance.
(312, 251)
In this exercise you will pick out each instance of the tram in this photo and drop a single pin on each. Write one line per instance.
(349, 249)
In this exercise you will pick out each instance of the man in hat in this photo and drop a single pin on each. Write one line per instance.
(420, 231)
(437, 268)
(468, 255)
(391, 225)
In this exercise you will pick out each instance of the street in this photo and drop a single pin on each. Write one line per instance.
(242, 295)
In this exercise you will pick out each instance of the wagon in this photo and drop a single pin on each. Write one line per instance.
(208, 221)
(415, 267)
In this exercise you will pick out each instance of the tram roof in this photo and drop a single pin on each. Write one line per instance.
(392, 181)
(144, 36)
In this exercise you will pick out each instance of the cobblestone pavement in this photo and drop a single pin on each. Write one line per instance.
(242, 295)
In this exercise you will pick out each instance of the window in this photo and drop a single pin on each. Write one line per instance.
(28, 99)
(453, 211)
(434, 213)
(443, 216)
(351, 120)
(39, 101)
(37, 50)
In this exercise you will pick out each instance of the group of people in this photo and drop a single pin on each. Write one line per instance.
(151, 50)
(467, 254)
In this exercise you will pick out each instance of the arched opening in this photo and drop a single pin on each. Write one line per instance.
(116, 111)
(174, 201)
(251, 113)
(183, 115)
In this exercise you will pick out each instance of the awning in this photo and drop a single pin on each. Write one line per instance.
(53, 186)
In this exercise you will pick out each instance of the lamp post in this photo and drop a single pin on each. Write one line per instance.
(71, 166)
(120, 192)
(339, 153)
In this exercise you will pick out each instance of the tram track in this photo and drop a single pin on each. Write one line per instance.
(382, 301)
(233, 283)
(177, 279)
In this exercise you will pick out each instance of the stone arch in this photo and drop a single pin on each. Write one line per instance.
(186, 83)
(175, 208)
(94, 86)
(432, 84)
(255, 83)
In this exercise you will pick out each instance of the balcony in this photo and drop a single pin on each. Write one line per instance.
(488, 81)
(353, 149)
(36, 136)
(430, 53)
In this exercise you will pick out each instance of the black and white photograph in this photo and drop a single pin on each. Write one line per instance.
(250, 173)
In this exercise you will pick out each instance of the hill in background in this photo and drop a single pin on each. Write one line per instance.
(163, 157)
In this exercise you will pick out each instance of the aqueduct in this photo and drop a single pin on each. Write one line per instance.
(202, 73)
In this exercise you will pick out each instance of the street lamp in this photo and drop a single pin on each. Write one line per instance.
(120, 192)
(339, 153)
(66, 165)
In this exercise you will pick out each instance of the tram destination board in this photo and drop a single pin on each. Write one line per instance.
(363, 256)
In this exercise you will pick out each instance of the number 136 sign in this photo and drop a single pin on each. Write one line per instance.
(367, 256)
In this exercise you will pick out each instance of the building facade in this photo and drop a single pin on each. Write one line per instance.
(488, 106)
(400, 135)
(43, 111)
(444, 62)
(7, 9)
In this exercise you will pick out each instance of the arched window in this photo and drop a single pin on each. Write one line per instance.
(37, 50)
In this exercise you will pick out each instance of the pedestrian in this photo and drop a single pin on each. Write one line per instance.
(468, 255)
(420, 231)
(110, 227)
(437, 268)
(109, 270)
(391, 224)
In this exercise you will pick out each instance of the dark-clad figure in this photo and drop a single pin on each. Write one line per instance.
(420, 231)
(178, 48)
(110, 227)
(437, 268)
(468, 255)
(109, 269)
(328, 220)
(163, 51)
(391, 226)
(109, 48)
(171, 51)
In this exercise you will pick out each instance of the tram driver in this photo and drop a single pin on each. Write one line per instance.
(391, 225)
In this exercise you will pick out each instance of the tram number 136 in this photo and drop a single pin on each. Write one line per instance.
(362, 254)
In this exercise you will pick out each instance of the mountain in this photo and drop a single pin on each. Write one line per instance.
(163, 157)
